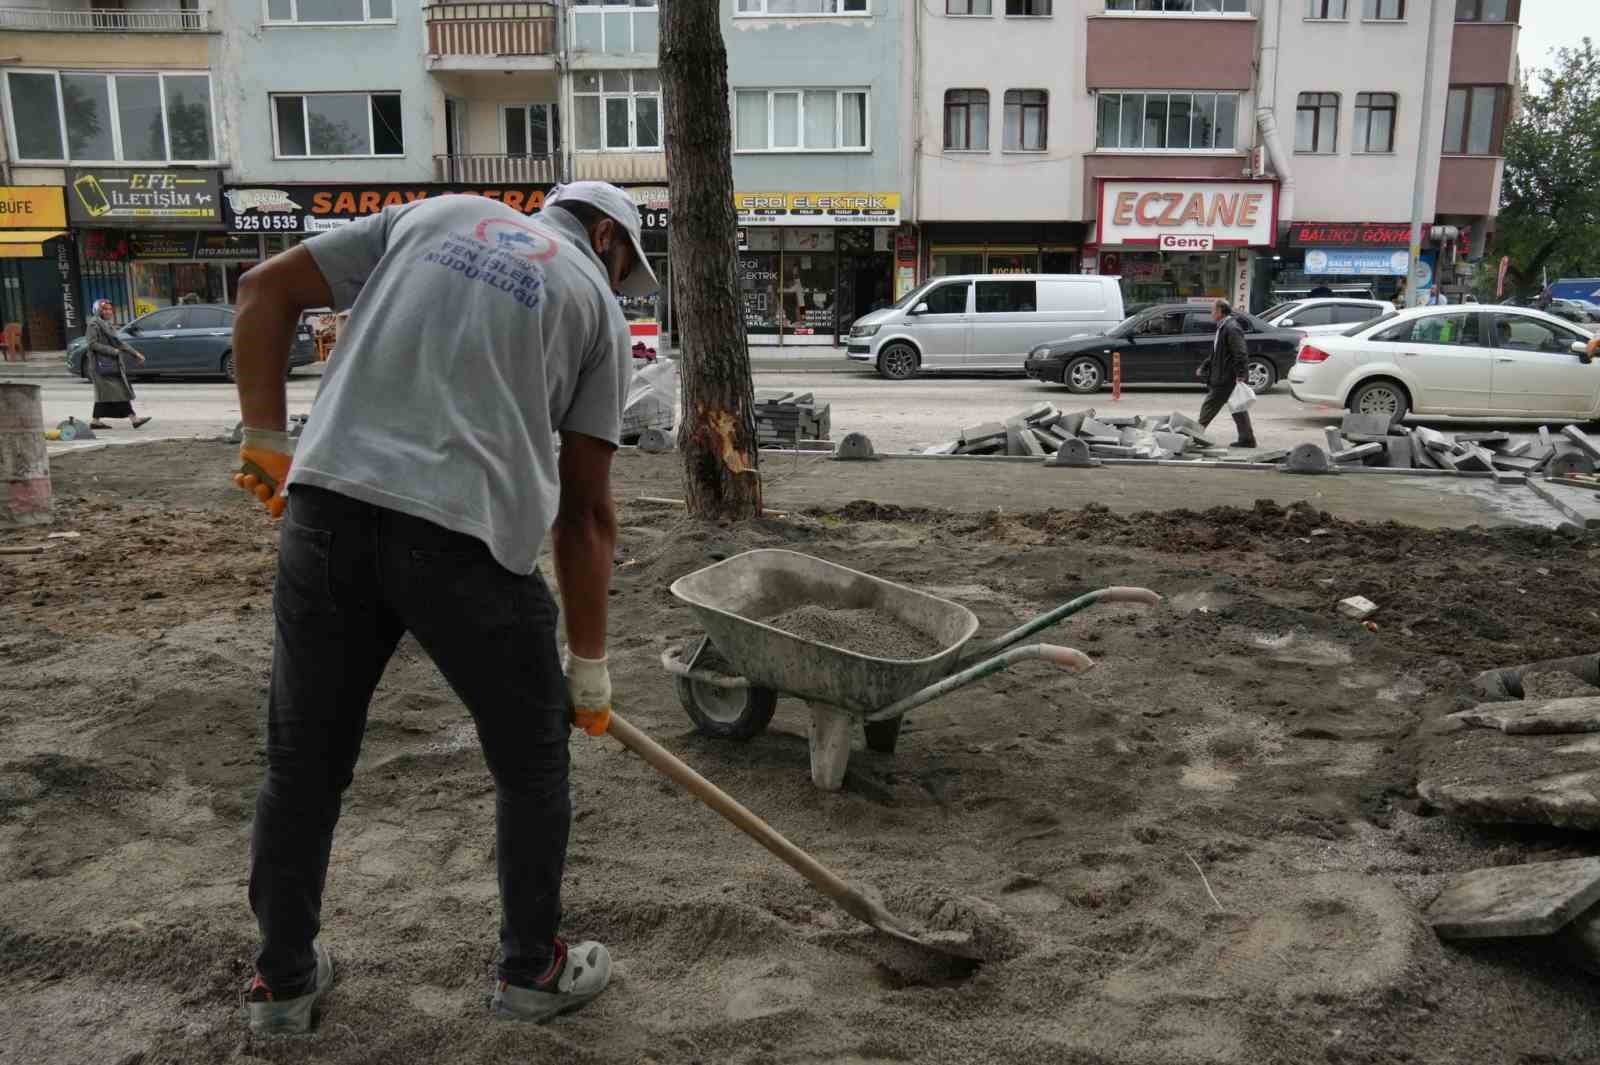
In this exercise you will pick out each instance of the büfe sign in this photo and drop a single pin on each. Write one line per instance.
(1229, 214)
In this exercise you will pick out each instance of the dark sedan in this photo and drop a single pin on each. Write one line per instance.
(190, 339)
(1164, 344)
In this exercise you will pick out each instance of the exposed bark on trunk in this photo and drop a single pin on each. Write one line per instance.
(718, 435)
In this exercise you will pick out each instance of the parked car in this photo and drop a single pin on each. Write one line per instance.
(1163, 345)
(1582, 312)
(1479, 360)
(189, 339)
(1325, 315)
(983, 321)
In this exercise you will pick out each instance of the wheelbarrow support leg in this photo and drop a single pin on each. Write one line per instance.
(829, 735)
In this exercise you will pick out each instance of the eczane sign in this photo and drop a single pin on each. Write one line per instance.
(1220, 214)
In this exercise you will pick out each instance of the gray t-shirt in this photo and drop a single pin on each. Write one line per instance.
(475, 335)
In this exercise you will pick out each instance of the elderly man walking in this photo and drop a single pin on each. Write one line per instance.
(1226, 368)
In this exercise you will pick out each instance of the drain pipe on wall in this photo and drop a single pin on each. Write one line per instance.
(1266, 113)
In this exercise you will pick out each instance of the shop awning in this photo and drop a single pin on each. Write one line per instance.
(26, 243)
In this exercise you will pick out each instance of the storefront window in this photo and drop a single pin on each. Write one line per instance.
(948, 262)
(1012, 261)
(810, 277)
(1157, 277)
(159, 284)
(758, 282)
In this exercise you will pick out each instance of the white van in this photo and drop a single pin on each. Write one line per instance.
(983, 321)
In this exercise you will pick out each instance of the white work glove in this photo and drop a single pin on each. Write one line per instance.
(589, 685)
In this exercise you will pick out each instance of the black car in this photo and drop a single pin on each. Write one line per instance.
(190, 339)
(1162, 345)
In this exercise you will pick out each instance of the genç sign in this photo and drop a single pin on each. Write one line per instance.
(1192, 214)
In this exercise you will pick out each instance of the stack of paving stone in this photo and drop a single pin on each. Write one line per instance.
(1042, 430)
(785, 419)
(1370, 439)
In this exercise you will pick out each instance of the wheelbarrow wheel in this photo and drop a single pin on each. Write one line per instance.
(727, 713)
(883, 735)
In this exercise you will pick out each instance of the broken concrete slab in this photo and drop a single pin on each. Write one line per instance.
(1517, 450)
(1358, 607)
(1307, 458)
(1397, 452)
(1275, 455)
(1048, 442)
(1516, 465)
(1034, 415)
(1420, 455)
(1096, 427)
(988, 432)
(1433, 439)
(1071, 424)
(1356, 425)
(1357, 453)
(1536, 717)
(1474, 458)
(1576, 503)
(1173, 442)
(1020, 441)
(1515, 900)
(1123, 421)
(1489, 439)
(1182, 423)
(1555, 684)
(1485, 775)
(1545, 440)
(1509, 682)
(1586, 445)
(1509, 477)
(1112, 451)
(1073, 453)
(1336, 442)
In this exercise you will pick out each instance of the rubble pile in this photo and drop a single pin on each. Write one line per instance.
(784, 419)
(1042, 430)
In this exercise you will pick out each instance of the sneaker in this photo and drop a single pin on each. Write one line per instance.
(291, 1016)
(577, 975)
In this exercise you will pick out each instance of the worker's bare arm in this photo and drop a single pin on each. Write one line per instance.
(584, 539)
(271, 299)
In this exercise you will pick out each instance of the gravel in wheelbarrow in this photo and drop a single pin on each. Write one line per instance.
(866, 631)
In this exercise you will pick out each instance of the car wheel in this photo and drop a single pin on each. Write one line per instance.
(1260, 375)
(1083, 375)
(898, 362)
(1381, 396)
(227, 366)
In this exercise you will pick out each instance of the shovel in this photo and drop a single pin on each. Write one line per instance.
(850, 899)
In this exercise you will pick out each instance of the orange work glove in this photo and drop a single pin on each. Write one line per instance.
(264, 458)
(589, 683)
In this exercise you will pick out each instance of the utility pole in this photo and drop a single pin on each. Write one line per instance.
(1419, 193)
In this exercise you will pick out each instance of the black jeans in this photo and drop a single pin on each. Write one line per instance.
(1216, 402)
(352, 579)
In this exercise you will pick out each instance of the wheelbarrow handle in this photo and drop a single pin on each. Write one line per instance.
(1068, 658)
(1054, 617)
(679, 668)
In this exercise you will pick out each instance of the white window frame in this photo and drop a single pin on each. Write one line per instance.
(294, 19)
(1235, 150)
(372, 140)
(839, 93)
(1379, 17)
(550, 148)
(111, 77)
(575, 9)
(632, 95)
(1315, 5)
(1130, 13)
(740, 12)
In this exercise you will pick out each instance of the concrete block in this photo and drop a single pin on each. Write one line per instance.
(1047, 442)
(1111, 451)
(985, 433)
(1173, 442)
(1021, 442)
(1484, 775)
(1276, 455)
(1123, 421)
(1397, 452)
(944, 449)
(1475, 458)
(1421, 457)
(1494, 439)
(1357, 453)
(1545, 439)
(1447, 460)
(1035, 415)
(1516, 465)
(1336, 442)
(1072, 424)
(1515, 900)
(1308, 458)
(854, 447)
(1358, 607)
(1074, 453)
(1508, 477)
(1536, 717)
(1094, 427)
(655, 441)
(1364, 425)
(1585, 444)
(1433, 439)
(1520, 448)
(1568, 463)
(1113, 439)
(1182, 423)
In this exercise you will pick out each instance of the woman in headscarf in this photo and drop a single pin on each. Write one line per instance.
(113, 396)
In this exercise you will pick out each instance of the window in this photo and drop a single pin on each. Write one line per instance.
(1028, 8)
(205, 318)
(617, 110)
(615, 27)
(530, 129)
(1321, 9)
(1474, 119)
(1354, 313)
(968, 7)
(1458, 329)
(1316, 122)
(948, 299)
(170, 318)
(1317, 314)
(1386, 10)
(330, 11)
(1163, 325)
(801, 120)
(1167, 121)
(1486, 10)
(338, 124)
(110, 118)
(1007, 297)
(966, 120)
(1375, 121)
(1026, 111)
(792, 8)
(1182, 7)
(1519, 333)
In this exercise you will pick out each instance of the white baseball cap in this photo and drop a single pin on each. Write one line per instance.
(620, 208)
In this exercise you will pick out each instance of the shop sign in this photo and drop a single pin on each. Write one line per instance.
(161, 245)
(1187, 242)
(817, 208)
(1350, 235)
(286, 208)
(142, 197)
(1232, 213)
(222, 247)
(32, 207)
(654, 218)
(1346, 262)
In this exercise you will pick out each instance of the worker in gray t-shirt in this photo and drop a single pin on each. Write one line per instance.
(417, 501)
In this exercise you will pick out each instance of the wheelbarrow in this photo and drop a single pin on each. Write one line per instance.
(729, 679)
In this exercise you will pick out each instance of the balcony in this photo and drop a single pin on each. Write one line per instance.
(49, 20)
(489, 36)
(497, 169)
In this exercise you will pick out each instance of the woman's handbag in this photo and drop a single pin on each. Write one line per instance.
(107, 366)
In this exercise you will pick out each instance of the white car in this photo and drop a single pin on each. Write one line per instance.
(1335, 314)
(1474, 360)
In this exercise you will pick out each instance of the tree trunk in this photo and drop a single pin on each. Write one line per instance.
(718, 434)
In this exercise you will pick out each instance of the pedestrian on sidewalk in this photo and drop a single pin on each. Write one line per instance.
(104, 358)
(1227, 367)
(415, 503)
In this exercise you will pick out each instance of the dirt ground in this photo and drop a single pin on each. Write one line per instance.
(1240, 741)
